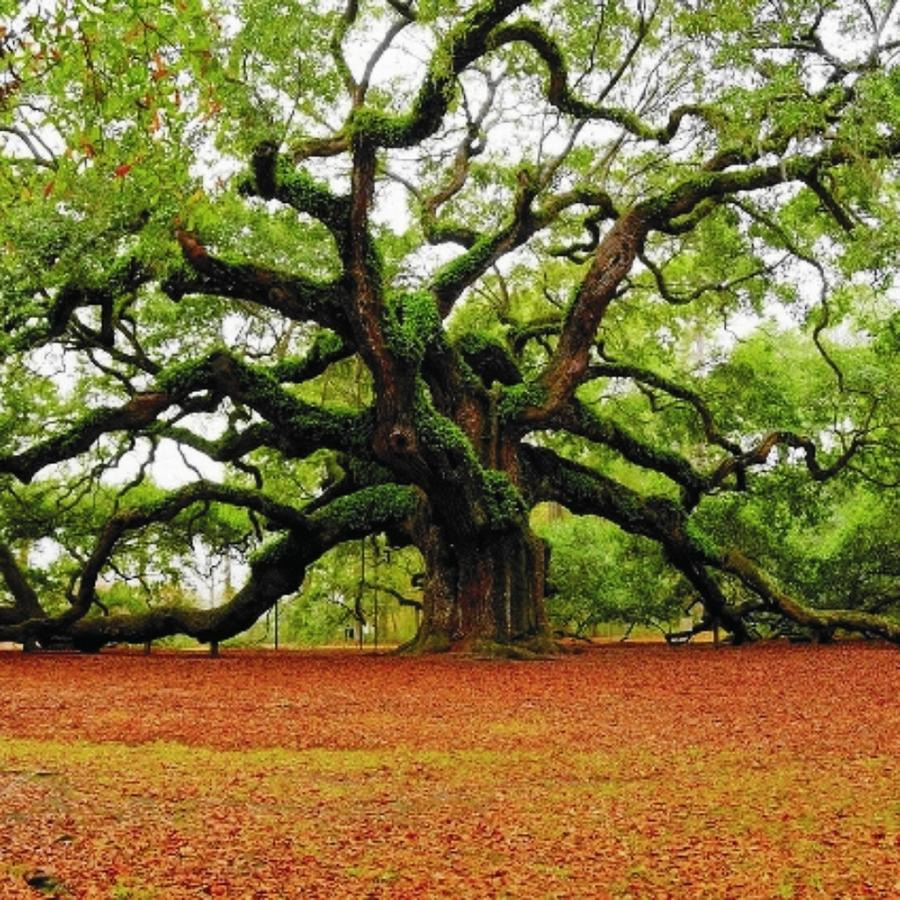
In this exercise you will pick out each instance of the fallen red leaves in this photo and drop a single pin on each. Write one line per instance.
(625, 771)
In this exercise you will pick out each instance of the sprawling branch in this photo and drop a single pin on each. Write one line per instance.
(673, 389)
(561, 95)
(612, 261)
(624, 242)
(137, 413)
(824, 621)
(454, 277)
(759, 454)
(585, 491)
(278, 569)
(705, 185)
(298, 298)
(578, 418)
(465, 43)
(325, 350)
(695, 484)
(305, 426)
(274, 177)
(164, 511)
(258, 388)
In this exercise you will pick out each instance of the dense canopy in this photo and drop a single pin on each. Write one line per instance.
(412, 268)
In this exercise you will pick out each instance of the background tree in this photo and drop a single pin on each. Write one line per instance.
(519, 237)
(599, 574)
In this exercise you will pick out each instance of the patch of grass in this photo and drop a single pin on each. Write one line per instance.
(129, 889)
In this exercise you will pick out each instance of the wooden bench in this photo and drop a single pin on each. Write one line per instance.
(678, 637)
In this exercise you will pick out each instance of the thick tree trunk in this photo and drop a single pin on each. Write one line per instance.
(484, 595)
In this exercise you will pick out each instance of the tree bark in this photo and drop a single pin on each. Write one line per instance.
(485, 595)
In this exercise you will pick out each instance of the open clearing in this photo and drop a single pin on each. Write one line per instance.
(770, 771)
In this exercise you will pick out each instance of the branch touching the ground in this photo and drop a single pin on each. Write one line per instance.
(25, 603)
(825, 621)
(277, 569)
(585, 491)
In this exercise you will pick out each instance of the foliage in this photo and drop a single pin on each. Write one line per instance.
(277, 278)
(355, 586)
(599, 574)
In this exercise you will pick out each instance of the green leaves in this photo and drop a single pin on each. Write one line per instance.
(599, 574)
(517, 193)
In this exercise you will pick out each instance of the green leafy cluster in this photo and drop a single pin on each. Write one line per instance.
(600, 575)
(701, 539)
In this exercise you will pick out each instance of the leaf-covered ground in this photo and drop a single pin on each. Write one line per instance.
(646, 771)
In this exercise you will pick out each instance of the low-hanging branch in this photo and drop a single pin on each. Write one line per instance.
(277, 569)
(585, 491)
(823, 621)
(165, 510)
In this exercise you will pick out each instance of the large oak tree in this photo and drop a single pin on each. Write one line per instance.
(504, 223)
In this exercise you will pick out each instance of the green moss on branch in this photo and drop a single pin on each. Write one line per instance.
(372, 509)
(463, 45)
(411, 325)
(514, 400)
